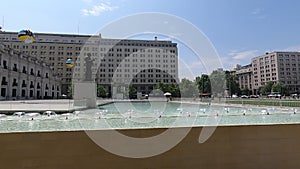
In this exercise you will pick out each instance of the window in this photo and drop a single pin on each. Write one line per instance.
(5, 64)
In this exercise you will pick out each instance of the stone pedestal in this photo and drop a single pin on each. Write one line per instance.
(85, 92)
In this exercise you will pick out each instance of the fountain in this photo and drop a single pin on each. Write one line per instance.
(19, 114)
(121, 115)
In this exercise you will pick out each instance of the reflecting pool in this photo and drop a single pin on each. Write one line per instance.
(127, 115)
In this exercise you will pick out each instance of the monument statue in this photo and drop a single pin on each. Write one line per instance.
(88, 67)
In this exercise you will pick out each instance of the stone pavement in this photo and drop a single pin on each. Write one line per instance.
(60, 105)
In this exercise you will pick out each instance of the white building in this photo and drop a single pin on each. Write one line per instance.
(273, 67)
(118, 62)
(25, 77)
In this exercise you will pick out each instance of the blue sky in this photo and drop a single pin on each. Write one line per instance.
(238, 29)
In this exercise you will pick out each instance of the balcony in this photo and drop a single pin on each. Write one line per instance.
(31, 86)
(31, 73)
(5, 67)
(24, 85)
(24, 71)
(15, 84)
(4, 83)
(15, 69)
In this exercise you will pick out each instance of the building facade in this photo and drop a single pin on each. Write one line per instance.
(116, 62)
(120, 63)
(273, 67)
(25, 77)
(245, 76)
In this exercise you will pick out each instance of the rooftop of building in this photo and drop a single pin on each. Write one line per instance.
(277, 52)
(86, 37)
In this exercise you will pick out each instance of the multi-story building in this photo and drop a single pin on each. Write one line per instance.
(119, 63)
(143, 63)
(244, 74)
(276, 67)
(25, 77)
(53, 49)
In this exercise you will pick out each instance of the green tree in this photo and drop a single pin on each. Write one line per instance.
(188, 88)
(174, 90)
(245, 91)
(132, 91)
(218, 82)
(280, 88)
(101, 91)
(70, 91)
(161, 86)
(259, 90)
(232, 83)
(267, 88)
(203, 84)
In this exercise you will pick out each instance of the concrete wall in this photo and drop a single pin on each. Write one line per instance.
(238, 147)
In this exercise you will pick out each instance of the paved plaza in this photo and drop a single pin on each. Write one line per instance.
(61, 105)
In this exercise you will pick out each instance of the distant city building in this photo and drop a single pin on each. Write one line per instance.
(25, 77)
(244, 74)
(116, 62)
(276, 67)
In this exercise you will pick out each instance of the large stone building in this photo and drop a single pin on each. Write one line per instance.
(276, 67)
(244, 74)
(141, 63)
(25, 77)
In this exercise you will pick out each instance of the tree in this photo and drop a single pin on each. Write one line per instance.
(203, 84)
(188, 88)
(267, 88)
(172, 88)
(218, 82)
(232, 83)
(70, 91)
(280, 88)
(132, 91)
(101, 91)
(161, 86)
(245, 91)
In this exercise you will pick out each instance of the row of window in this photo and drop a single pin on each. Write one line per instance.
(24, 70)
(15, 83)
(138, 80)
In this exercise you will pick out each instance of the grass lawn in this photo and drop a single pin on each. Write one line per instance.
(265, 102)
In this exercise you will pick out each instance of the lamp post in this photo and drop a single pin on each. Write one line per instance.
(202, 81)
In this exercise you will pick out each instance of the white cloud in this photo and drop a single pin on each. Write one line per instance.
(295, 48)
(88, 1)
(259, 13)
(292, 49)
(243, 55)
(98, 9)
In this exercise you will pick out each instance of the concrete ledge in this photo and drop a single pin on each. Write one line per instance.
(245, 147)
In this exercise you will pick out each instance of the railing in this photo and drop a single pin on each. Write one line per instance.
(4, 83)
